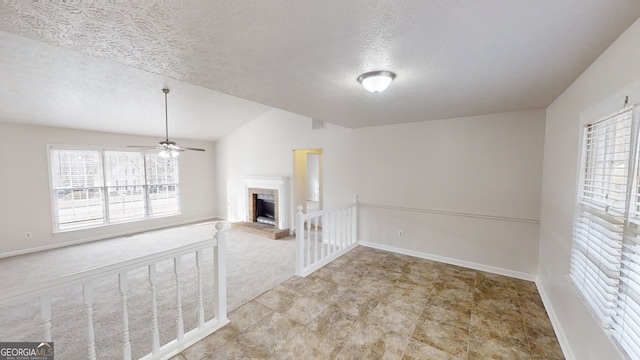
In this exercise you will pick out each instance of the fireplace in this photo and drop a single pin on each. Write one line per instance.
(263, 207)
(271, 194)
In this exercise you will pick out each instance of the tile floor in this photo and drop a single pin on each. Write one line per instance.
(372, 304)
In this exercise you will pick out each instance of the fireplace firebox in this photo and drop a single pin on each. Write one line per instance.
(263, 206)
(265, 209)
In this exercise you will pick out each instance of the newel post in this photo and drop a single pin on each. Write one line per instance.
(220, 273)
(299, 242)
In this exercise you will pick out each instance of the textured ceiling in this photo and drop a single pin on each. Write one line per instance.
(48, 85)
(452, 58)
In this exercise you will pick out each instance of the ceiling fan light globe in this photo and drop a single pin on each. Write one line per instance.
(164, 154)
(175, 154)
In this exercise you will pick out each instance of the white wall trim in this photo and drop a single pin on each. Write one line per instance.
(450, 213)
(279, 183)
(555, 322)
(103, 237)
(446, 260)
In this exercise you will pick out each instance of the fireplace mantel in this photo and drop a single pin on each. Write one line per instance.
(281, 184)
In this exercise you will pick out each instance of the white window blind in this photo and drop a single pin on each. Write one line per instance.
(605, 256)
(94, 187)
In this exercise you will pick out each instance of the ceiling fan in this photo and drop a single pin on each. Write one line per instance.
(168, 149)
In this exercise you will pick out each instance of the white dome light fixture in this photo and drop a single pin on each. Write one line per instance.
(376, 81)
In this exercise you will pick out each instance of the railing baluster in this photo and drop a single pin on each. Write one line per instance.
(45, 316)
(350, 226)
(299, 242)
(354, 220)
(336, 216)
(339, 237)
(316, 251)
(87, 291)
(126, 343)
(200, 297)
(315, 237)
(333, 232)
(339, 230)
(177, 266)
(154, 308)
(325, 233)
(307, 243)
(220, 274)
(308, 246)
(336, 231)
(343, 226)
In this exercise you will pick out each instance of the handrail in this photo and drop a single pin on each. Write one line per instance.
(40, 289)
(326, 211)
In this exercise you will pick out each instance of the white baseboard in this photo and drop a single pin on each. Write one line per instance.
(101, 237)
(555, 322)
(446, 260)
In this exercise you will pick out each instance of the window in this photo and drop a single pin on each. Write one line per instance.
(125, 185)
(605, 257)
(99, 187)
(77, 188)
(162, 181)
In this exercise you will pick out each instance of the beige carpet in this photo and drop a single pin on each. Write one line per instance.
(254, 265)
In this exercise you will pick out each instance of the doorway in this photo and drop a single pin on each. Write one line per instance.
(307, 179)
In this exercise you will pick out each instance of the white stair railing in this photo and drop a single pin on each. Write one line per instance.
(88, 280)
(325, 235)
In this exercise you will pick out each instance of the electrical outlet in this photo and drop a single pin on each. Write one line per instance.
(400, 233)
(28, 235)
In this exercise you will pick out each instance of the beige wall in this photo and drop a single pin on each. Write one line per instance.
(463, 190)
(485, 171)
(600, 89)
(25, 202)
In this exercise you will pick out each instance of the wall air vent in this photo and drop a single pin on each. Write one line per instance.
(318, 124)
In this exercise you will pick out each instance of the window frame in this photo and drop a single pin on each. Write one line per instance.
(104, 188)
(610, 324)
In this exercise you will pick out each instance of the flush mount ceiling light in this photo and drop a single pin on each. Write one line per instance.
(376, 81)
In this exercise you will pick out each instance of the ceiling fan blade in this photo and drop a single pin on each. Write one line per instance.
(182, 148)
(144, 147)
